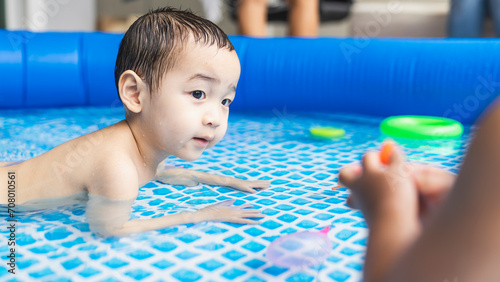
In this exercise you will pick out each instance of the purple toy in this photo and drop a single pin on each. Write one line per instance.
(301, 249)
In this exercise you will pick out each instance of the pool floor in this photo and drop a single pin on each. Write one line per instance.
(56, 245)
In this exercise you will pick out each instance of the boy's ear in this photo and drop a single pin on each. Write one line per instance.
(132, 91)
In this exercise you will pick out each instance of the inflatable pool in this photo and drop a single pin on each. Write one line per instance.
(57, 86)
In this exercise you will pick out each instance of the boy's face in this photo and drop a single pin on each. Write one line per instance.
(190, 111)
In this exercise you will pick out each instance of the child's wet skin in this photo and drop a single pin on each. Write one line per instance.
(176, 101)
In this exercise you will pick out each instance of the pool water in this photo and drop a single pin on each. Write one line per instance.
(56, 245)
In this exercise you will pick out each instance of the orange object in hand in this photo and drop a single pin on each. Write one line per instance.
(386, 152)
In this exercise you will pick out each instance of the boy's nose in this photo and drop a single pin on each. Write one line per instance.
(212, 119)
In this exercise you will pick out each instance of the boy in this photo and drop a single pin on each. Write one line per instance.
(427, 224)
(176, 75)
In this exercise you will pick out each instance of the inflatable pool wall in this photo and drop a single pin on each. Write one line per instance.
(455, 78)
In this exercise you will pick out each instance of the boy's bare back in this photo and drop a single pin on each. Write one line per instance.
(77, 166)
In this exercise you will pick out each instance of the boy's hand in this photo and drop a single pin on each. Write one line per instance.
(176, 176)
(187, 177)
(251, 186)
(381, 190)
(226, 212)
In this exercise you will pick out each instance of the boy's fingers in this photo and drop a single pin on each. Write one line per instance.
(349, 174)
(226, 202)
(248, 189)
(253, 215)
(262, 184)
(260, 187)
(246, 221)
(249, 211)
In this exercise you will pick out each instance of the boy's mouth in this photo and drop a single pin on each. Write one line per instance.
(202, 142)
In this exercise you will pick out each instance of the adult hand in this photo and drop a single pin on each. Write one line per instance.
(379, 189)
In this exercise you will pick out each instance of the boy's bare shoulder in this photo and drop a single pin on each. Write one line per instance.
(115, 176)
(114, 172)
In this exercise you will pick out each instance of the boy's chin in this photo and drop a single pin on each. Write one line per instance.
(189, 158)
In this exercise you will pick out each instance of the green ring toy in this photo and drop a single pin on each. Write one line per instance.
(421, 127)
(326, 132)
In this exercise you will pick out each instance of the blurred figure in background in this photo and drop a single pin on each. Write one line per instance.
(466, 17)
(303, 17)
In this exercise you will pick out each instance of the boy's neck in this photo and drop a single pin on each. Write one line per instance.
(146, 159)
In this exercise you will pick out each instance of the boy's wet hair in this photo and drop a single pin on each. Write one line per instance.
(154, 42)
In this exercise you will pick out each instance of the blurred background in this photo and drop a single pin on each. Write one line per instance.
(359, 18)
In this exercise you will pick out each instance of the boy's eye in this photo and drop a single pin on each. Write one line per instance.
(226, 102)
(198, 94)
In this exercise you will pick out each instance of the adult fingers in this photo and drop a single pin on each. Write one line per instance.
(397, 158)
(433, 186)
(348, 175)
(370, 160)
(350, 202)
(432, 180)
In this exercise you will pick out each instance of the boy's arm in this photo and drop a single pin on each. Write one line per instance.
(114, 189)
(110, 217)
(182, 176)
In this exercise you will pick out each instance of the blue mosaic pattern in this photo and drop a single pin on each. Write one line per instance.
(56, 245)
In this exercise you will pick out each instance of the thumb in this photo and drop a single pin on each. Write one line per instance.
(397, 158)
(349, 174)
